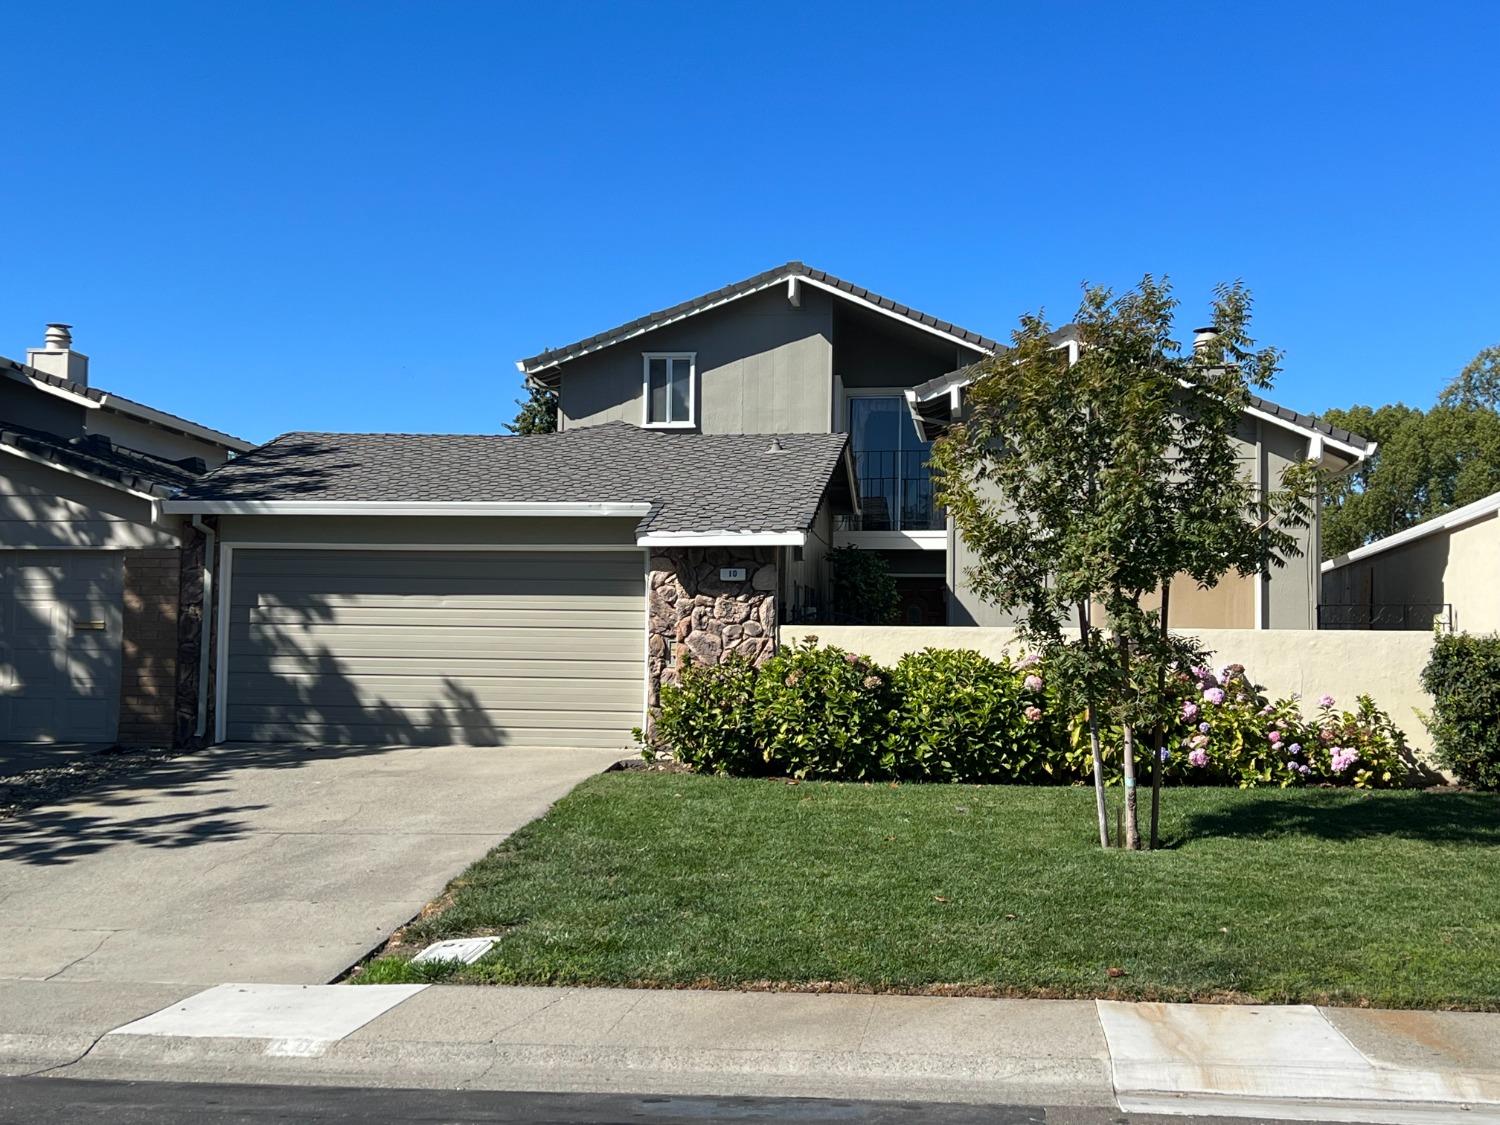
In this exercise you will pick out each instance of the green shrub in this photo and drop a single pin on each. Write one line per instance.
(1463, 678)
(864, 593)
(824, 713)
(706, 720)
(964, 717)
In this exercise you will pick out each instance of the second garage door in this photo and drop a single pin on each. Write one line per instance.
(505, 648)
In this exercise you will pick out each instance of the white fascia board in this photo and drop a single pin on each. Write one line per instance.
(892, 540)
(787, 278)
(652, 327)
(180, 425)
(1326, 439)
(1448, 521)
(398, 508)
(723, 539)
(901, 317)
(81, 474)
(60, 392)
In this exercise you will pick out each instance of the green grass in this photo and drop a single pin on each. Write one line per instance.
(652, 879)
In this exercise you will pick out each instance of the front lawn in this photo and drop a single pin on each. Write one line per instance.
(658, 879)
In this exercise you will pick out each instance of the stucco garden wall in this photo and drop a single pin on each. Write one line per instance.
(1344, 663)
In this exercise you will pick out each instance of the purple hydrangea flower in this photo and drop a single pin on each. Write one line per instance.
(1325, 701)
(1214, 695)
(1189, 710)
(1199, 758)
(1294, 748)
(1204, 728)
(1032, 682)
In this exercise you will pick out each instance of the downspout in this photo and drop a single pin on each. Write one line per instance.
(210, 543)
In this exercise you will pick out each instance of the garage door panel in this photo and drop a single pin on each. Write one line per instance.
(609, 615)
(60, 645)
(567, 692)
(356, 640)
(282, 664)
(493, 648)
(419, 733)
(270, 588)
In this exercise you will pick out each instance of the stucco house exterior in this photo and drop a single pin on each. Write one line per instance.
(1445, 571)
(90, 564)
(536, 591)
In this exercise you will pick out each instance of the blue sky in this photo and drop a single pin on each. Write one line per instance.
(357, 216)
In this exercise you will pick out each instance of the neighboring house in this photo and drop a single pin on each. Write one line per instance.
(89, 563)
(1444, 571)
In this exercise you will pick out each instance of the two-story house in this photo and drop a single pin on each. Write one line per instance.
(379, 588)
(796, 350)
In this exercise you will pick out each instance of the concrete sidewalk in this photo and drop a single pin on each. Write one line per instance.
(1295, 1063)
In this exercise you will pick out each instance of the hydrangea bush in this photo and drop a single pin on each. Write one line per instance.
(954, 715)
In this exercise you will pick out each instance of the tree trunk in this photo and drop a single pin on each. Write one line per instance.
(1161, 683)
(1127, 759)
(1099, 803)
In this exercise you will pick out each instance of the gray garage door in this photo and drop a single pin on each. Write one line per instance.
(60, 622)
(502, 648)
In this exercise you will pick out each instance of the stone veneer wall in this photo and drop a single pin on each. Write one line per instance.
(694, 612)
(148, 668)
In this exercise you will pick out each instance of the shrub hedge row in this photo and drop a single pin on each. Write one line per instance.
(954, 715)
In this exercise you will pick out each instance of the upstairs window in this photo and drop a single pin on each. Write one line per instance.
(669, 387)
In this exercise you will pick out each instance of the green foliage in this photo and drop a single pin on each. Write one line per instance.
(707, 719)
(1463, 678)
(1221, 729)
(864, 593)
(823, 712)
(1427, 462)
(954, 715)
(538, 413)
(964, 717)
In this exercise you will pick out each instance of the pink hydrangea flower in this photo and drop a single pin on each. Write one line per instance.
(1343, 758)
(1199, 758)
(1189, 710)
(1199, 740)
(1325, 701)
(1274, 736)
(1032, 682)
(1214, 695)
(1033, 714)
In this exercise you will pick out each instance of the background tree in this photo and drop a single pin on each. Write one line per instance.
(1082, 490)
(1427, 462)
(538, 413)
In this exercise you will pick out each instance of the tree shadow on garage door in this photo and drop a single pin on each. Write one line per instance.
(286, 686)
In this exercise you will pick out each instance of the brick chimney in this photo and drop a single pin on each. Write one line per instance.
(57, 357)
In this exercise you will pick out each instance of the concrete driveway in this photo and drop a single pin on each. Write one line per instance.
(258, 863)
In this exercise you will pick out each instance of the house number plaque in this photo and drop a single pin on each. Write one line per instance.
(731, 574)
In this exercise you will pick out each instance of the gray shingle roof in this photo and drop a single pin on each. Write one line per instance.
(695, 482)
(553, 356)
(98, 457)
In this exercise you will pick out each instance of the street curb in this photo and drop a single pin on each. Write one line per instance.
(1082, 1082)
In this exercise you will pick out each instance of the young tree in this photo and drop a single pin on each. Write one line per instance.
(538, 413)
(1083, 489)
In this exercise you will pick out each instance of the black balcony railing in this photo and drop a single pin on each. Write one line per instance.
(895, 492)
(1413, 616)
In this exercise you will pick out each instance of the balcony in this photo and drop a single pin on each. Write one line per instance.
(896, 493)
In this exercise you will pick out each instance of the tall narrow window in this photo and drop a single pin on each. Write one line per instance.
(670, 393)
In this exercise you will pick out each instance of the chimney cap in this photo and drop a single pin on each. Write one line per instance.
(59, 336)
